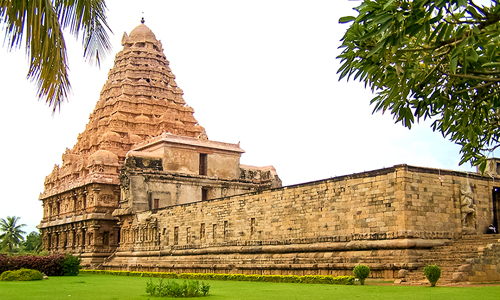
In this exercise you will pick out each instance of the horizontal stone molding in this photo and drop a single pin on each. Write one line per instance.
(73, 219)
(319, 247)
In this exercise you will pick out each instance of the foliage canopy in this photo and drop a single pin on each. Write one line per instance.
(432, 273)
(11, 234)
(33, 242)
(361, 272)
(40, 25)
(436, 59)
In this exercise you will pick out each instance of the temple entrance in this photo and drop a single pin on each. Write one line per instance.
(496, 206)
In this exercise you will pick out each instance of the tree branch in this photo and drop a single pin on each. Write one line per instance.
(485, 72)
(476, 87)
(492, 149)
(487, 79)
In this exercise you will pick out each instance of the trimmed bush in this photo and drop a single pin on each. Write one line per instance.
(322, 279)
(361, 272)
(432, 273)
(21, 275)
(70, 265)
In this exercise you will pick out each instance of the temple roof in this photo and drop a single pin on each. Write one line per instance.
(142, 34)
(139, 100)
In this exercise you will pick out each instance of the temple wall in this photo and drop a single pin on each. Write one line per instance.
(181, 160)
(385, 218)
(91, 198)
(80, 221)
(384, 202)
(177, 190)
(433, 201)
(223, 166)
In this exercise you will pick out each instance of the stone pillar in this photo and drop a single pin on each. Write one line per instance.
(84, 240)
(45, 240)
(55, 241)
(62, 239)
(123, 235)
(78, 239)
(71, 239)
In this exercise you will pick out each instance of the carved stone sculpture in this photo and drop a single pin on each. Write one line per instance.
(467, 207)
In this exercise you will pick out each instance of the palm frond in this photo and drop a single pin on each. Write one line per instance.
(40, 23)
(90, 17)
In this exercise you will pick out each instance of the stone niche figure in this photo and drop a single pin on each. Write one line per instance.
(467, 207)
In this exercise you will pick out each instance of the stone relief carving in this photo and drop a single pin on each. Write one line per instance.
(467, 207)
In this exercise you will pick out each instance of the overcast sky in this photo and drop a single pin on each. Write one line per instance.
(262, 73)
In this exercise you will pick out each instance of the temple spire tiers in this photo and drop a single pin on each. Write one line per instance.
(139, 100)
(142, 150)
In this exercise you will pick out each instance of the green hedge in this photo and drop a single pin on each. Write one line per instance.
(21, 275)
(131, 273)
(323, 279)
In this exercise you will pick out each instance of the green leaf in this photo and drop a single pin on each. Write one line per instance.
(376, 48)
(387, 4)
(434, 32)
(346, 19)
(473, 55)
(491, 65)
(453, 64)
(442, 32)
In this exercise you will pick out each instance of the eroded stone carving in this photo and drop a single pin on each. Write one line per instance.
(467, 207)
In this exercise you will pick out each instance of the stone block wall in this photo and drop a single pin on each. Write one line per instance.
(433, 201)
(384, 203)
(384, 218)
(487, 266)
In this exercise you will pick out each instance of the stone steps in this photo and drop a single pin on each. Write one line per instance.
(452, 255)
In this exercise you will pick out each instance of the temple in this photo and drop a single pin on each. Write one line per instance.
(140, 114)
(145, 189)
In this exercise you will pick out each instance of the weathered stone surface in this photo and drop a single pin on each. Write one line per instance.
(465, 268)
(323, 227)
(402, 273)
(460, 277)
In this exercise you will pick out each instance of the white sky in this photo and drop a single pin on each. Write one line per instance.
(259, 72)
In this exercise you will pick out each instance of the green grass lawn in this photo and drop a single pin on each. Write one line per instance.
(87, 286)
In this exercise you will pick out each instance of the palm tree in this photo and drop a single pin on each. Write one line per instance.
(42, 22)
(11, 233)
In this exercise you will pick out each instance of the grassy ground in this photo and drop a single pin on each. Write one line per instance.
(86, 286)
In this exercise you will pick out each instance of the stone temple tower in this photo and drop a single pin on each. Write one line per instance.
(139, 100)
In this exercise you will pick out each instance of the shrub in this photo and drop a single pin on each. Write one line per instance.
(70, 265)
(174, 289)
(191, 288)
(21, 275)
(151, 287)
(432, 273)
(8, 276)
(205, 288)
(49, 265)
(361, 272)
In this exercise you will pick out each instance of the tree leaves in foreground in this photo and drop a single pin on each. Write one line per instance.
(431, 59)
(11, 234)
(39, 24)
